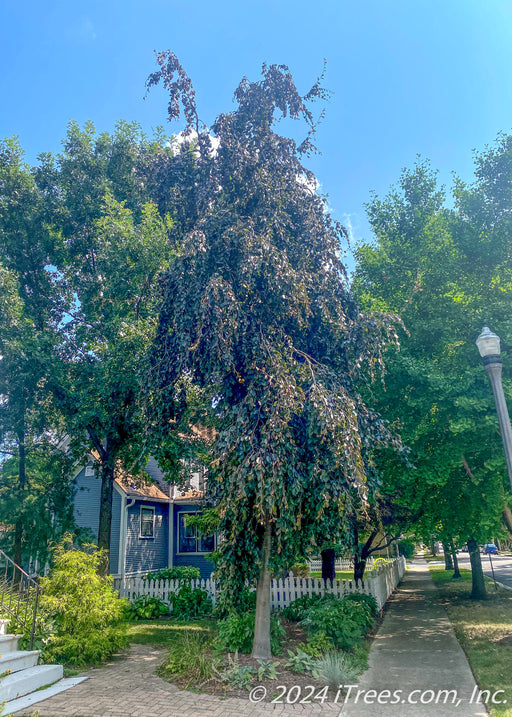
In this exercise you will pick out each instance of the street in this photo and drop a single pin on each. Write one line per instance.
(502, 566)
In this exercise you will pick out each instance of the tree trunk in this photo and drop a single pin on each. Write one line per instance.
(328, 564)
(22, 481)
(456, 571)
(261, 644)
(507, 518)
(359, 568)
(361, 555)
(105, 522)
(448, 563)
(478, 591)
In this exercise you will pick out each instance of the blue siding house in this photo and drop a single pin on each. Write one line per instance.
(149, 528)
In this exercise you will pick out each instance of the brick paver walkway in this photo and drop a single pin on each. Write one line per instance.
(129, 688)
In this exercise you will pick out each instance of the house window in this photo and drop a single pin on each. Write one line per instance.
(147, 522)
(190, 538)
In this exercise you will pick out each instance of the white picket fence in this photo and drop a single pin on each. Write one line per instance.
(134, 586)
(339, 564)
(380, 583)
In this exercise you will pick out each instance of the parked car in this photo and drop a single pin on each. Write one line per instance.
(490, 549)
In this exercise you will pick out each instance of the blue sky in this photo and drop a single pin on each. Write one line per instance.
(429, 77)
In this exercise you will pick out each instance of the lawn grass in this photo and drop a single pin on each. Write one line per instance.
(340, 574)
(433, 558)
(484, 630)
(163, 632)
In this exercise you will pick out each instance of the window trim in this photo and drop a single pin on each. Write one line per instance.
(196, 552)
(152, 509)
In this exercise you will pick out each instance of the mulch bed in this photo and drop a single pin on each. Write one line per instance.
(281, 687)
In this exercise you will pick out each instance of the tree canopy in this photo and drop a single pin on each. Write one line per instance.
(258, 321)
(446, 272)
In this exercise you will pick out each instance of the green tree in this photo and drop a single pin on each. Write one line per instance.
(431, 266)
(83, 243)
(260, 338)
(116, 243)
(30, 311)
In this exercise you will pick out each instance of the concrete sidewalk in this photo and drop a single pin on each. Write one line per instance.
(416, 654)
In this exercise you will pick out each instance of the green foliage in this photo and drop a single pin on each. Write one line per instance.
(406, 548)
(73, 339)
(190, 659)
(236, 633)
(44, 507)
(300, 569)
(335, 669)
(300, 661)
(207, 521)
(246, 602)
(298, 608)
(146, 608)
(84, 607)
(342, 621)
(335, 622)
(445, 268)
(267, 670)
(379, 562)
(190, 603)
(82, 649)
(116, 241)
(34, 492)
(367, 601)
(45, 629)
(236, 675)
(317, 644)
(179, 572)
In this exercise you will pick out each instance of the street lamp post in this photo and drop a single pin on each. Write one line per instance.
(489, 347)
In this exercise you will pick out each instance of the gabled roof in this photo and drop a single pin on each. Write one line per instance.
(134, 486)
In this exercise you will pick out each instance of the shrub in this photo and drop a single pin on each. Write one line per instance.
(358, 612)
(146, 608)
(317, 644)
(368, 601)
(180, 572)
(246, 602)
(297, 609)
(406, 548)
(335, 669)
(333, 622)
(300, 569)
(191, 603)
(190, 658)
(236, 633)
(83, 649)
(344, 622)
(83, 606)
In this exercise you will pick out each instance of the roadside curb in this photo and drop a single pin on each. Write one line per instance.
(507, 587)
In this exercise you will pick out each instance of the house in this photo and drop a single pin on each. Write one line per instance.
(149, 528)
